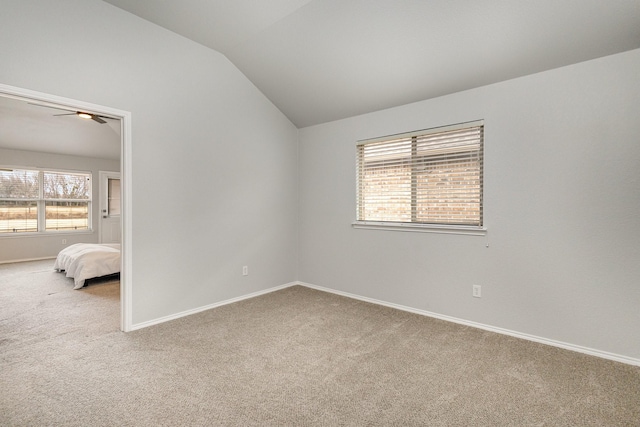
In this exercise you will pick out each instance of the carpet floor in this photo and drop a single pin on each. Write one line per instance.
(295, 357)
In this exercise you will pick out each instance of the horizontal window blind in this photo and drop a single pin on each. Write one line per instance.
(426, 177)
(66, 198)
(19, 184)
(67, 186)
(19, 193)
(36, 200)
(18, 216)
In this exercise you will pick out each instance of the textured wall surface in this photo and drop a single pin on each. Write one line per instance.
(214, 162)
(561, 203)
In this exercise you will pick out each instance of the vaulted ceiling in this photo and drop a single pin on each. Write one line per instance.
(322, 60)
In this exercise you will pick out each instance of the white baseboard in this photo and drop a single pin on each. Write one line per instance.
(567, 346)
(208, 307)
(11, 261)
(541, 340)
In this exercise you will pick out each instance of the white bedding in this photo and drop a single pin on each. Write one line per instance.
(83, 261)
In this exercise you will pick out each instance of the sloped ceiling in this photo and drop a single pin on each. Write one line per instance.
(323, 60)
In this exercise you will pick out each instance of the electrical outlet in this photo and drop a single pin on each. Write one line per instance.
(477, 291)
(245, 270)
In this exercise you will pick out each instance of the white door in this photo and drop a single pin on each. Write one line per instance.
(110, 230)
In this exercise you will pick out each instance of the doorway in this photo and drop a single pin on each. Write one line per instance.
(124, 232)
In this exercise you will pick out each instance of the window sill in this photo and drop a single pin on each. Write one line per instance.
(421, 228)
(43, 234)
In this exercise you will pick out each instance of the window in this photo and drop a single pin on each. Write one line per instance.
(36, 200)
(113, 196)
(19, 193)
(67, 197)
(429, 178)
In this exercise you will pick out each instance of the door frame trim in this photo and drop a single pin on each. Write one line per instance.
(126, 276)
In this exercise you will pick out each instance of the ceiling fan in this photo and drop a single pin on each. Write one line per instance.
(94, 117)
(89, 116)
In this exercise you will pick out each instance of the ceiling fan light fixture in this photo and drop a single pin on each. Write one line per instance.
(84, 115)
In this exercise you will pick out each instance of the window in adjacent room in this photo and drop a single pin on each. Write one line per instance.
(113, 196)
(429, 178)
(67, 197)
(38, 201)
(19, 194)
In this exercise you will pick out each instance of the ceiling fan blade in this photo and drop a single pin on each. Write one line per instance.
(94, 117)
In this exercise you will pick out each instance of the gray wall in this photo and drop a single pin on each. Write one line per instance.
(214, 183)
(14, 248)
(562, 204)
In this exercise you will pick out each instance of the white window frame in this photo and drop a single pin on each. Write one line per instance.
(414, 226)
(41, 203)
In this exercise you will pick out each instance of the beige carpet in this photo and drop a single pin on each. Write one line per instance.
(297, 357)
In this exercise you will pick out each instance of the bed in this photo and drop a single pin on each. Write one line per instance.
(83, 261)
